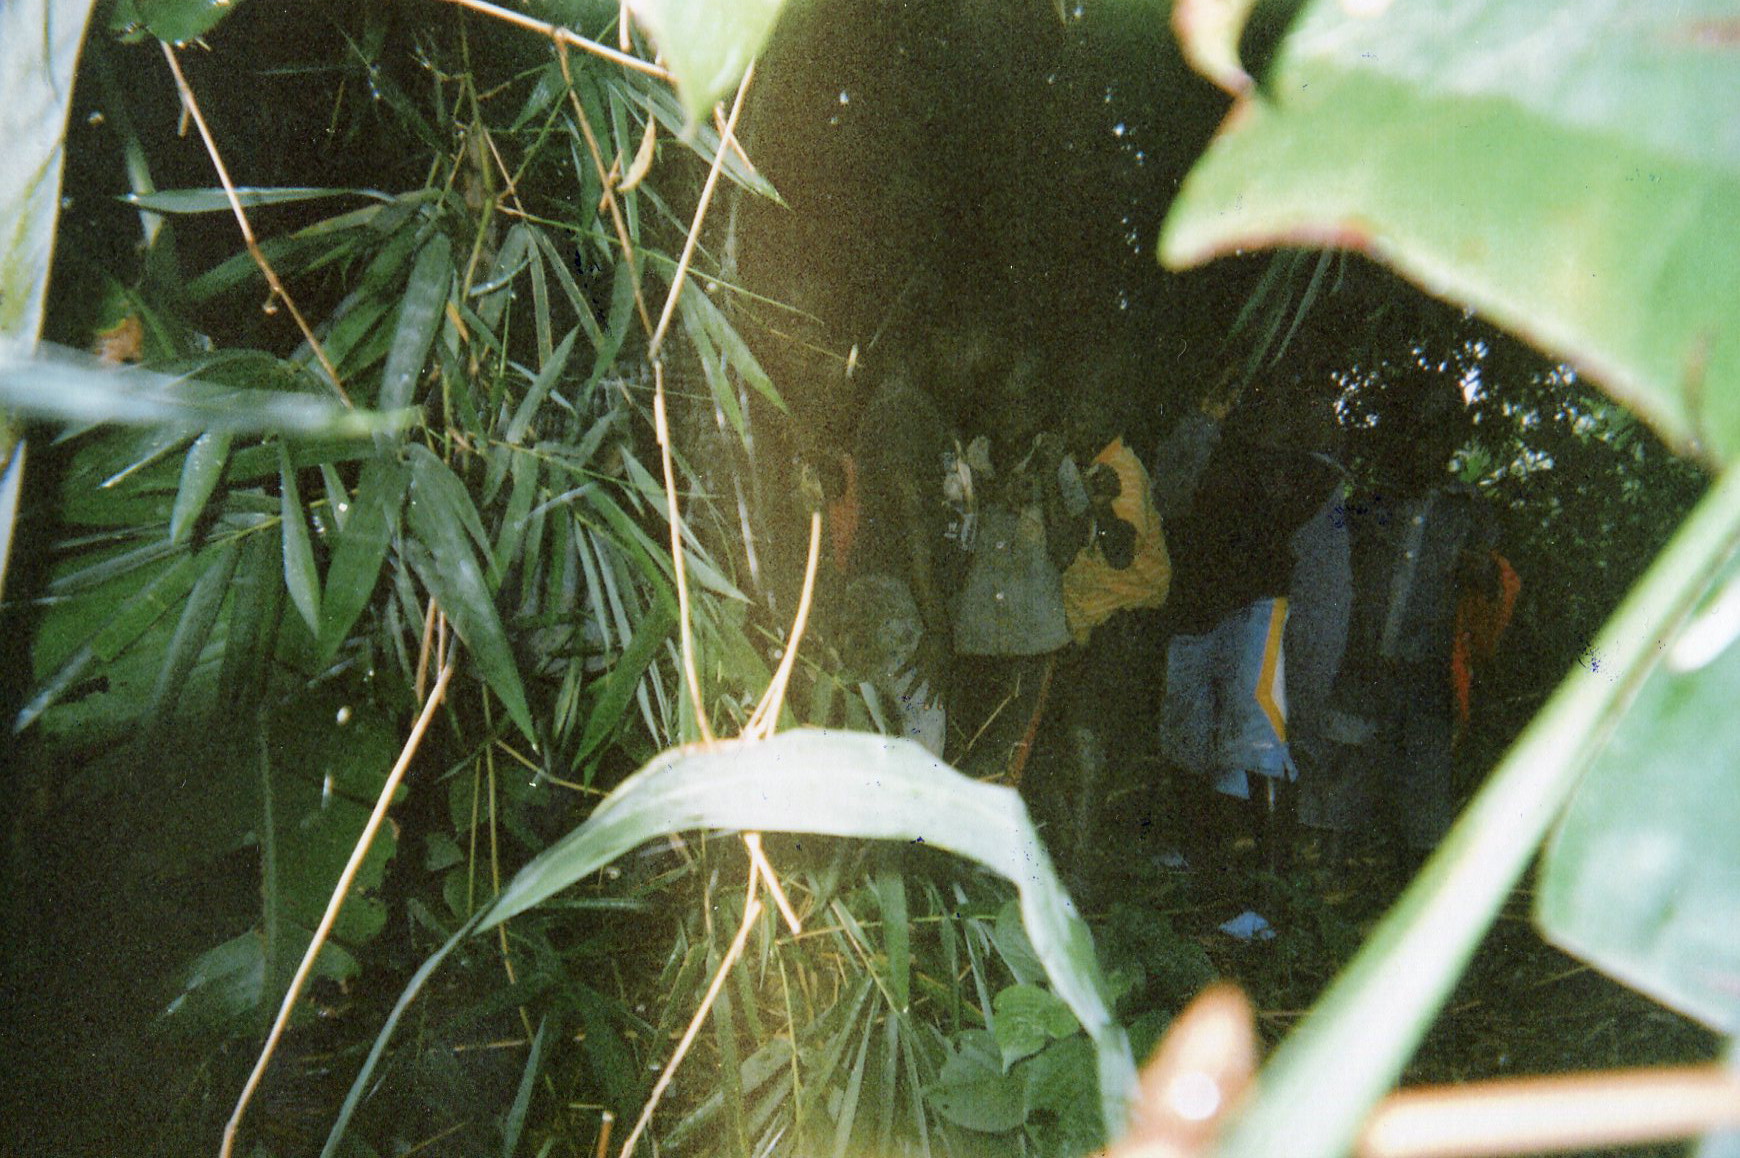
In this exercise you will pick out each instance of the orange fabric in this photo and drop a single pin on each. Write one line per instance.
(1480, 623)
(843, 515)
(1092, 588)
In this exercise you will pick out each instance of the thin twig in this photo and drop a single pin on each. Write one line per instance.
(339, 893)
(766, 716)
(751, 911)
(278, 291)
(752, 842)
(691, 676)
(565, 36)
(694, 238)
(425, 648)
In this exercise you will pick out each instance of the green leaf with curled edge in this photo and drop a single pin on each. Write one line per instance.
(1642, 877)
(707, 44)
(1570, 170)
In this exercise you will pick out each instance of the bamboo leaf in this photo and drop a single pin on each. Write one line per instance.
(39, 49)
(564, 277)
(59, 385)
(253, 627)
(439, 512)
(554, 366)
(516, 1115)
(525, 469)
(200, 473)
(362, 546)
(300, 577)
(619, 685)
(218, 201)
(700, 312)
(198, 616)
(165, 590)
(419, 314)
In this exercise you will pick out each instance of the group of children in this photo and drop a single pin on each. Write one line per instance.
(1303, 650)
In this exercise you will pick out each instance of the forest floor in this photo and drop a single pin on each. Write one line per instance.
(1522, 1007)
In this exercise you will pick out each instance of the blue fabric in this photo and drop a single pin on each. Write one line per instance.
(1212, 722)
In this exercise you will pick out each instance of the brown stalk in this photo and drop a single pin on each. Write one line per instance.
(278, 291)
(339, 893)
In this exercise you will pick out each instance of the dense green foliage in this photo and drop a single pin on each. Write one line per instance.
(243, 562)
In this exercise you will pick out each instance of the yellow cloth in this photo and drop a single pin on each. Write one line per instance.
(1092, 588)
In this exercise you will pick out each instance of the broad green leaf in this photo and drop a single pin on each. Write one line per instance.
(330, 754)
(72, 389)
(176, 21)
(975, 1092)
(1028, 1019)
(1642, 878)
(858, 785)
(39, 50)
(1056, 1083)
(216, 200)
(419, 315)
(218, 988)
(438, 512)
(1569, 170)
(301, 579)
(200, 472)
(362, 546)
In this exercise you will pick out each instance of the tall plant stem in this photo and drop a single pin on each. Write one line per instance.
(339, 893)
